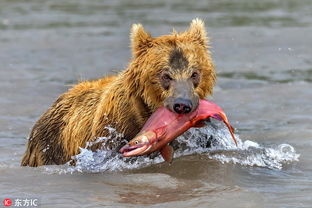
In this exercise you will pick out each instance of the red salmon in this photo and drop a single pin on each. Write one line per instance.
(164, 126)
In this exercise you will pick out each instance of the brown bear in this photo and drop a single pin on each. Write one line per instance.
(173, 70)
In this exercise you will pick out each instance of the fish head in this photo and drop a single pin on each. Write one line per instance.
(140, 145)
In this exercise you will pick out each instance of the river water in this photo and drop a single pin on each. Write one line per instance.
(263, 55)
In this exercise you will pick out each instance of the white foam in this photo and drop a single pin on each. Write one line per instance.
(222, 148)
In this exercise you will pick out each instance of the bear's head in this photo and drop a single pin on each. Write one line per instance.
(174, 70)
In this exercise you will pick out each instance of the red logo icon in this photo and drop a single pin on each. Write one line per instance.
(7, 202)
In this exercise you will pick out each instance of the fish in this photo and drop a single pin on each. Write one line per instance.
(164, 126)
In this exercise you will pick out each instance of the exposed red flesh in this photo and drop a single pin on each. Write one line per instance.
(164, 126)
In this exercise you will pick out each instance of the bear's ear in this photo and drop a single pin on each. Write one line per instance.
(197, 31)
(139, 39)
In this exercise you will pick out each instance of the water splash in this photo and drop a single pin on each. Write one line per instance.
(214, 141)
(247, 153)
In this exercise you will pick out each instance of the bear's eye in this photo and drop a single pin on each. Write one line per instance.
(166, 77)
(194, 75)
(165, 80)
(195, 78)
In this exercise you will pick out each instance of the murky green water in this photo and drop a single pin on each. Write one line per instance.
(263, 54)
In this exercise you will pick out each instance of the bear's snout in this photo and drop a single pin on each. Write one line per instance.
(182, 105)
(183, 98)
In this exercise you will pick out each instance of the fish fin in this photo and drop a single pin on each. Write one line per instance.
(167, 153)
(232, 129)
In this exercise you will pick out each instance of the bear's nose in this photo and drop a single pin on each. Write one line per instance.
(182, 106)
